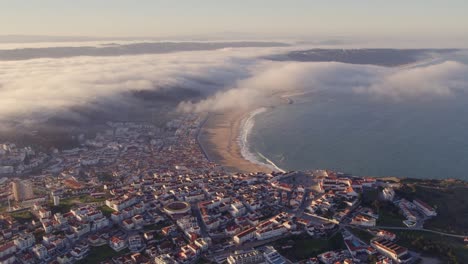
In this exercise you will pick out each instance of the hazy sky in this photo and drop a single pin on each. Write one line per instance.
(159, 18)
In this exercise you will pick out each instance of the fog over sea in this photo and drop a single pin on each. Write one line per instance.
(365, 136)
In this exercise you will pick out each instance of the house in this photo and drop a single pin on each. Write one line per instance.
(128, 224)
(203, 243)
(164, 259)
(100, 223)
(65, 259)
(138, 220)
(79, 253)
(135, 243)
(363, 220)
(117, 243)
(386, 235)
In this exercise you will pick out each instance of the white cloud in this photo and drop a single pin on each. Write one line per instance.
(40, 87)
(441, 79)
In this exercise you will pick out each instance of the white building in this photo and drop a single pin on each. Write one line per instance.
(253, 256)
(117, 243)
(270, 232)
(135, 243)
(363, 220)
(244, 236)
(425, 208)
(272, 256)
(40, 251)
(24, 241)
(392, 250)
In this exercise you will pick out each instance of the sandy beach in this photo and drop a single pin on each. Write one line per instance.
(219, 138)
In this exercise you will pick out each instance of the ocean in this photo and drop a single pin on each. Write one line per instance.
(362, 135)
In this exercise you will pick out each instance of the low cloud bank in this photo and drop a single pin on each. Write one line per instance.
(229, 78)
(419, 82)
(37, 89)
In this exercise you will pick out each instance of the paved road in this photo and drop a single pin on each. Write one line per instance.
(421, 229)
(196, 211)
(202, 124)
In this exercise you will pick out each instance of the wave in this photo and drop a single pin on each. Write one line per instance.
(246, 129)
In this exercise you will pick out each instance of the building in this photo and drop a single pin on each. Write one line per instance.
(22, 190)
(40, 251)
(56, 200)
(270, 232)
(164, 259)
(426, 209)
(117, 243)
(363, 220)
(24, 241)
(397, 253)
(135, 243)
(272, 256)
(386, 235)
(7, 251)
(250, 257)
(177, 208)
(388, 194)
(244, 235)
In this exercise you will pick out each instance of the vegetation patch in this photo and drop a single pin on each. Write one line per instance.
(102, 253)
(390, 216)
(451, 205)
(23, 216)
(106, 210)
(302, 247)
(364, 235)
(452, 250)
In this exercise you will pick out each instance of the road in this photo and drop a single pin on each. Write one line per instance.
(196, 211)
(421, 229)
(202, 124)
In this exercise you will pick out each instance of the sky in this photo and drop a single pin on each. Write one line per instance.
(268, 18)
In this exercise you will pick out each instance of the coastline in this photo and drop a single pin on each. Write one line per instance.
(243, 141)
(223, 138)
(219, 138)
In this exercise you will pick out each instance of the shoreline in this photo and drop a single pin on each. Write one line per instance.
(247, 125)
(223, 138)
(219, 139)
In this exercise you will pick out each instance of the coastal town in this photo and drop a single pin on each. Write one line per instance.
(138, 193)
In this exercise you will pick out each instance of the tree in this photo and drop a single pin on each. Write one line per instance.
(376, 205)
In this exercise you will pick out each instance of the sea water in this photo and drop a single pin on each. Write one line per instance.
(363, 135)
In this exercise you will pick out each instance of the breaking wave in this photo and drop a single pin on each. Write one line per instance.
(246, 129)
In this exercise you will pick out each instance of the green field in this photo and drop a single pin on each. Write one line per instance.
(451, 205)
(389, 214)
(90, 199)
(64, 206)
(23, 216)
(156, 227)
(304, 246)
(390, 218)
(361, 234)
(449, 249)
(99, 254)
(68, 203)
(106, 210)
